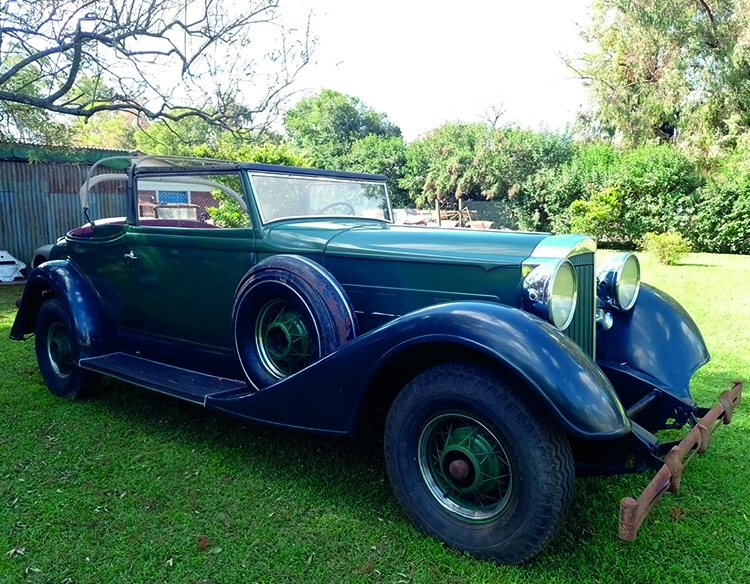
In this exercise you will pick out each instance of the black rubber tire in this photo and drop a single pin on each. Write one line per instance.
(306, 290)
(68, 380)
(543, 468)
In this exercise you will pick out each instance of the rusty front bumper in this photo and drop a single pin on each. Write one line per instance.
(632, 512)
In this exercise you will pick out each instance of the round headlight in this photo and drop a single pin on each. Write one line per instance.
(550, 291)
(618, 281)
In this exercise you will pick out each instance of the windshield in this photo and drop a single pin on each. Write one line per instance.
(283, 196)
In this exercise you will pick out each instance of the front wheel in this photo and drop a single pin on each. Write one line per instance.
(476, 465)
(54, 354)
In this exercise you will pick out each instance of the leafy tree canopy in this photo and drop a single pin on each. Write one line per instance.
(664, 70)
(340, 132)
(327, 125)
(477, 162)
(449, 163)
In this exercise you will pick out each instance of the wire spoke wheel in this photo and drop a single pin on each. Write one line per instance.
(476, 464)
(288, 313)
(58, 350)
(282, 339)
(465, 467)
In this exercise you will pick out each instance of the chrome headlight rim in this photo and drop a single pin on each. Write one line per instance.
(537, 294)
(609, 281)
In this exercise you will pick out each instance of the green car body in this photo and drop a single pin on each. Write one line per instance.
(316, 311)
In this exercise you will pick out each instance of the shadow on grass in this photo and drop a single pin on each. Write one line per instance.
(344, 464)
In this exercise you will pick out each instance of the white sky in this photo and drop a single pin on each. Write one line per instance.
(424, 63)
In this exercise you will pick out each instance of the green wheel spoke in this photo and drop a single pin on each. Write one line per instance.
(480, 487)
(468, 437)
(282, 339)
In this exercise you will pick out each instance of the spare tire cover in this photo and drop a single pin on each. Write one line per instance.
(289, 312)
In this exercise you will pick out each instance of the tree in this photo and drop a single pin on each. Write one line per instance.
(664, 70)
(340, 132)
(476, 162)
(179, 138)
(26, 123)
(449, 163)
(492, 114)
(327, 125)
(159, 59)
(377, 154)
(110, 130)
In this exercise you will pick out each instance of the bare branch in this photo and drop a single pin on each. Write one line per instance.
(493, 113)
(709, 13)
(162, 59)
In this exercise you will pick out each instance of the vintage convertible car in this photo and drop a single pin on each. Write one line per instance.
(506, 361)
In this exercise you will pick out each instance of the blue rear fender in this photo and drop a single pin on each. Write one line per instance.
(328, 394)
(94, 331)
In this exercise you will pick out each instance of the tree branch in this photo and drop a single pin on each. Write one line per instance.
(45, 54)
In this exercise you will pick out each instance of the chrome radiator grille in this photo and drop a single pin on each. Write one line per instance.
(583, 328)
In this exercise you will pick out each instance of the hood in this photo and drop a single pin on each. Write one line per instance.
(489, 249)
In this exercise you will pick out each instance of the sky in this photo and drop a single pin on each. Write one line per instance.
(424, 63)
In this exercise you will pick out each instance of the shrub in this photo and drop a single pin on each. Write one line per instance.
(668, 248)
(619, 196)
(722, 223)
(600, 216)
(660, 188)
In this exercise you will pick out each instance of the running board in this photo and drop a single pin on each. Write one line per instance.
(182, 383)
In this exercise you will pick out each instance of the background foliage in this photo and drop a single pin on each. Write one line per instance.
(663, 147)
(544, 180)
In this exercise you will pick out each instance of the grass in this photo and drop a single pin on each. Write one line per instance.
(132, 486)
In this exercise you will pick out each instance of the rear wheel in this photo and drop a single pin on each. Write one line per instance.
(54, 342)
(477, 465)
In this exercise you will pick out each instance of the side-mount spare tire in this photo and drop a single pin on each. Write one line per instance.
(288, 313)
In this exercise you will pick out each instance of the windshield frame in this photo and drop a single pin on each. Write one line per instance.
(251, 174)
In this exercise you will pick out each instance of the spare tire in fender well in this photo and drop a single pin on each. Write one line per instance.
(288, 312)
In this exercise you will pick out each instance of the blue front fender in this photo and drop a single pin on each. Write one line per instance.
(95, 332)
(657, 337)
(326, 396)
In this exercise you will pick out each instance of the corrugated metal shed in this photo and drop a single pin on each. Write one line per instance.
(39, 200)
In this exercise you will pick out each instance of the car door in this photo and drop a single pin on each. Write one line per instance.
(102, 254)
(188, 258)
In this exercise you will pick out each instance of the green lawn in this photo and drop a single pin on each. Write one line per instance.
(132, 486)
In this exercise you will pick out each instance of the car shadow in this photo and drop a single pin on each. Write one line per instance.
(279, 454)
